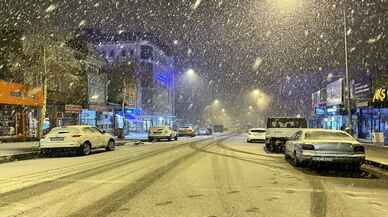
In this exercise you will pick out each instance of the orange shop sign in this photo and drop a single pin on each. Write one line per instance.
(20, 94)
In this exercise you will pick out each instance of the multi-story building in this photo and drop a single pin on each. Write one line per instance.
(148, 98)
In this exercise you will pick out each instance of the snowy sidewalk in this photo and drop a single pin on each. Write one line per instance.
(12, 148)
(377, 154)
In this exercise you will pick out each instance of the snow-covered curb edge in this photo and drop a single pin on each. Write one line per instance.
(19, 156)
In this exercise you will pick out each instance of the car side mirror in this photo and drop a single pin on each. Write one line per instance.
(103, 131)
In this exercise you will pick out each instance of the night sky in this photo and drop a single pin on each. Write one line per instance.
(234, 45)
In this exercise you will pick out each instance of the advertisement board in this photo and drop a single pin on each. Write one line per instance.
(335, 93)
(88, 117)
(315, 99)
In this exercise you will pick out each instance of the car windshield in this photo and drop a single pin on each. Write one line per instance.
(324, 135)
(193, 108)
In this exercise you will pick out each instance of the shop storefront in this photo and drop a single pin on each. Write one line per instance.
(373, 120)
(104, 117)
(88, 117)
(19, 105)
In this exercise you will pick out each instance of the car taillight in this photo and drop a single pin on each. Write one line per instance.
(359, 149)
(76, 136)
(308, 147)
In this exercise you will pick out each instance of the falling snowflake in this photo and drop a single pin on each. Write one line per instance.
(51, 8)
(375, 39)
(82, 23)
(196, 4)
(257, 63)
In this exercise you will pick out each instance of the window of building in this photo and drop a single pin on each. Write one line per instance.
(123, 53)
(146, 52)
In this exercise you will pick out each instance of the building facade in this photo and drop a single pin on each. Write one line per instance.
(369, 106)
(148, 89)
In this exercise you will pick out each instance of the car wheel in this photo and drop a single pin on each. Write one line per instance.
(296, 161)
(111, 146)
(286, 156)
(43, 153)
(176, 138)
(270, 148)
(85, 149)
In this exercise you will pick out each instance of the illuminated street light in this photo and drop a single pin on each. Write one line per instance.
(190, 72)
(256, 92)
(223, 110)
(216, 102)
(292, 4)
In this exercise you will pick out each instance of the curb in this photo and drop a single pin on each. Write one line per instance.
(21, 156)
(376, 164)
(34, 154)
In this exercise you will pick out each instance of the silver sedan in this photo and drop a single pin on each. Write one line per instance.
(324, 146)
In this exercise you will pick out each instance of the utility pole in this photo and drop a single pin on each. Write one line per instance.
(44, 89)
(347, 79)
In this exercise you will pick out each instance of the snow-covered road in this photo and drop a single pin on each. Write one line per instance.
(193, 177)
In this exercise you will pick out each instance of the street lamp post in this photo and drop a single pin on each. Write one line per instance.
(287, 3)
(347, 79)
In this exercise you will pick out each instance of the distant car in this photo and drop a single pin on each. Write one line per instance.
(165, 132)
(82, 138)
(218, 128)
(256, 135)
(324, 146)
(186, 131)
(203, 132)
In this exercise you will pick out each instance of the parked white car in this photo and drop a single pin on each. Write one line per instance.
(165, 132)
(256, 135)
(83, 138)
(324, 146)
